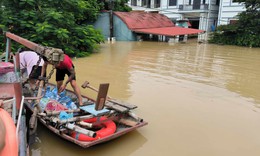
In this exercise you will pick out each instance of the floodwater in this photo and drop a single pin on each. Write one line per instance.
(199, 100)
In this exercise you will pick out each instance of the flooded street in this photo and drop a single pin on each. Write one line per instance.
(199, 100)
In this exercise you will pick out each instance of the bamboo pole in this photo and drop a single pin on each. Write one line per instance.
(133, 115)
(127, 122)
(33, 118)
(85, 124)
(81, 130)
(37, 107)
(52, 113)
(39, 95)
(74, 119)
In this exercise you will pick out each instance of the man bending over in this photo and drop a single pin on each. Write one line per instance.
(65, 67)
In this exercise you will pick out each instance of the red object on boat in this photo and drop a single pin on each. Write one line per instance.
(54, 105)
(11, 141)
(6, 67)
(108, 128)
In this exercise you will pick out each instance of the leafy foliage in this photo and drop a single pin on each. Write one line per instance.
(115, 5)
(54, 23)
(246, 31)
(250, 4)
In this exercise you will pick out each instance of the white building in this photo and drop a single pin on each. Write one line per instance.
(228, 11)
(202, 14)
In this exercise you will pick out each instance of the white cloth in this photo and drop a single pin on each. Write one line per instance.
(28, 59)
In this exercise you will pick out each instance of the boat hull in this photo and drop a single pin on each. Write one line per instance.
(63, 133)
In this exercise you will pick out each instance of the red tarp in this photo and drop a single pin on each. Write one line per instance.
(169, 31)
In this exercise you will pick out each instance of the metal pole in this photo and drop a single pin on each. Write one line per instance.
(111, 6)
(207, 29)
(7, 50)
(111, 24)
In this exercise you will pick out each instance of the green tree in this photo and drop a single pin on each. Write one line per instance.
(55, 23)
(115, 5)
(246, 31)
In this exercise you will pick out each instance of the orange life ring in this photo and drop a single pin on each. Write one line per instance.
(11, 141)
(108, 128)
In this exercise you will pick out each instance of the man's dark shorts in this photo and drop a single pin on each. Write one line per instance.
(60, 74)
(35, 73)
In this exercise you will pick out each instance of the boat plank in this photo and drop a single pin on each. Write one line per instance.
(122, 103)
(116, 107)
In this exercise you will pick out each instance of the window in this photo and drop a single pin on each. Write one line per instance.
(217, 2)
(172, 2)
(233, 21)
(144, 3)
(133, 2)
(157, 3)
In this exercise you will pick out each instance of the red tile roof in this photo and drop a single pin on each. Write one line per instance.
(153, 23)
(143, 20)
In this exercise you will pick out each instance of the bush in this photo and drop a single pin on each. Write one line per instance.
(54, 23)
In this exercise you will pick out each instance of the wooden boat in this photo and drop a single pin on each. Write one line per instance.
(81, 128)
(98, 121)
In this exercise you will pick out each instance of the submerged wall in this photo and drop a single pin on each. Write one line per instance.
(102, 23)
(120, 30)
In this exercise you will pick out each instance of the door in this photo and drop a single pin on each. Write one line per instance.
(196, 4)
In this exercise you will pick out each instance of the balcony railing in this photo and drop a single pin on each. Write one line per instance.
(191, 7)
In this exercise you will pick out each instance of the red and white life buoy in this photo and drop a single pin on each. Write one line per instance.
(108, 128)
(11, 141)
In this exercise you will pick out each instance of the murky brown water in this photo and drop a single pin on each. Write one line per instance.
(199, 100)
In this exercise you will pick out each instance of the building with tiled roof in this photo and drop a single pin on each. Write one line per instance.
(136, 25)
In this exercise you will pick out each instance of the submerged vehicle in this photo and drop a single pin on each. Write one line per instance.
(95, 122)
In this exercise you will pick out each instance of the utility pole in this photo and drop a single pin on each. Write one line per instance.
(111, 7)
